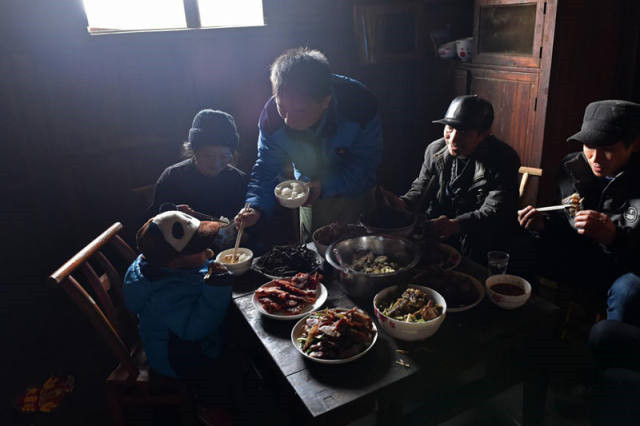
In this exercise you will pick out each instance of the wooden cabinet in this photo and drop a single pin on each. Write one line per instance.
(541, 62)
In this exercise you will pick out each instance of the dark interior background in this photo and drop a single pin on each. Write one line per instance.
(86, 119)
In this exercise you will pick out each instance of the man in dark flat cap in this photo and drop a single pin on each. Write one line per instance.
(601, 244)
(468, 183)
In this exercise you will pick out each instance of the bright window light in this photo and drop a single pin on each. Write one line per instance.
(230, 13)
(145, 15)
(128, 15)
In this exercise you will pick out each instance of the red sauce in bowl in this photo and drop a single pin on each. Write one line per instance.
(508, 289)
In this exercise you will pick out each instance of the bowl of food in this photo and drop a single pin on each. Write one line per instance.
(238, 265)
(292, 193)
(413, 314)
(508, 291)
(325, 235)
(461, 291)
(334, 336)
(370, 263)
(390, 221)
(287, 261)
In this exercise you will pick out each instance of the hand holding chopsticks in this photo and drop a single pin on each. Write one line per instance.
(239, 237)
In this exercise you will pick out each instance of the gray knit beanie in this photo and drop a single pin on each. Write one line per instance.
(213, 127)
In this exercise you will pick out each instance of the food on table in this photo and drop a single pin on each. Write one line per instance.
(336, 334)
(289, 296)
(286, 261)
(457, 289)
(291, 191)
(240, 257)
(507, 289)
(413, 305)
(338, 231)
(440, 255)
(369, 263)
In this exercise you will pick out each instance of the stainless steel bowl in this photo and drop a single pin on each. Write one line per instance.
(360, 284)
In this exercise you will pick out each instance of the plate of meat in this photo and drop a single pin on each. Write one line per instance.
(290, 298)
(334, 336)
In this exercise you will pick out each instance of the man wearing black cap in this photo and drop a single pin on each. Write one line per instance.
(468, 181)
(602, 242)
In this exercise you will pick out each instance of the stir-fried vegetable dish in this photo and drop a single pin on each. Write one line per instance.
(336, 334)
(414, 305)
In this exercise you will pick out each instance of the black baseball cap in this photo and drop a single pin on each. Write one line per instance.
(608, 122)
(468, 112)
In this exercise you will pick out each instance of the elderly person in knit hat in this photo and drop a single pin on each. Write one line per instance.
(205, 182)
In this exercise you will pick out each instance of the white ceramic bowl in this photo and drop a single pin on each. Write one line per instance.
(409, 331)
(448, 50)
(297, 330)
(236, 268)
(503, 300)
(291, 203)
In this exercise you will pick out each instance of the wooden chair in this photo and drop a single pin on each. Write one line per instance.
(100, 298)
(526, 172)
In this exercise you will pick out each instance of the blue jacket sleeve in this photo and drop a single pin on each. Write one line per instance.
(358, 173)
(193, 321)
(271, 157)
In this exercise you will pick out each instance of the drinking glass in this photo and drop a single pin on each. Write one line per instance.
(497, 262)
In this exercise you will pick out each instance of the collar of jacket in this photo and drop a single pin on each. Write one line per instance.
(444, 158)
(579, 168)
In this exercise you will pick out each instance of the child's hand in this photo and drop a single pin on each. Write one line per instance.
(218, 274)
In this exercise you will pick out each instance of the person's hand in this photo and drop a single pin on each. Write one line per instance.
(393, 200)
(443, 227)
(249, 216)
(315, 189)
(595, 225)
(531, 219)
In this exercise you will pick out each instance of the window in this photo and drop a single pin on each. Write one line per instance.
(106, 16)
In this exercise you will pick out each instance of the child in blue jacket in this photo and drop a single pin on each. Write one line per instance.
(181, 313)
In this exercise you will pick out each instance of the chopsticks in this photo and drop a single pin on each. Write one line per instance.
(240, 229)
(558, 207)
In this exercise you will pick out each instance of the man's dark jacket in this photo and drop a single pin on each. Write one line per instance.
(618, 198)
(484, 199)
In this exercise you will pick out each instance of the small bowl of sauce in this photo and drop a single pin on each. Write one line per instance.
(508, 291)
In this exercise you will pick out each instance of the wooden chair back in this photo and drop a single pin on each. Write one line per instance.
(526, 172)
(99, 295)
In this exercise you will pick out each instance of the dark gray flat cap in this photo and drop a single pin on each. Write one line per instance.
(608, 122)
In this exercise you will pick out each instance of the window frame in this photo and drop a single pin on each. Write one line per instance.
(192, 18)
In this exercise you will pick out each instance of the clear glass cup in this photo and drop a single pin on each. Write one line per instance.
(497, 261)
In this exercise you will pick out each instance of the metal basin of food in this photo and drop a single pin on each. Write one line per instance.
(340, 255)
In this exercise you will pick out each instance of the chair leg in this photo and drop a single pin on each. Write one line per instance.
(115, 406)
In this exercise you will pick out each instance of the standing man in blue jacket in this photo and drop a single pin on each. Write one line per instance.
(325, 125)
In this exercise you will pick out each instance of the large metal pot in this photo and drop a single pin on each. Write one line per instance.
(360, 284)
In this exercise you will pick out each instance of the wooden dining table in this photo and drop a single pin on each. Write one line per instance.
(474, 355)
